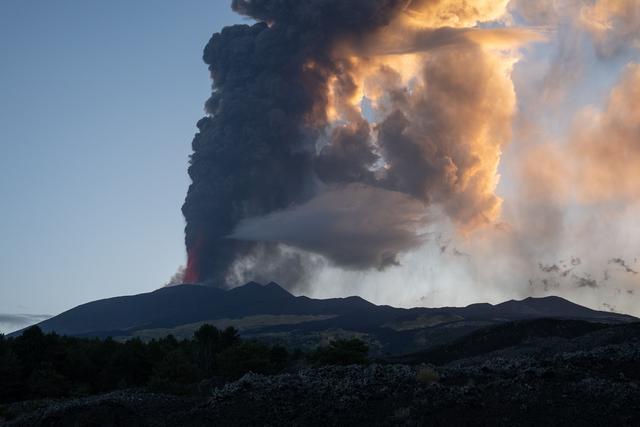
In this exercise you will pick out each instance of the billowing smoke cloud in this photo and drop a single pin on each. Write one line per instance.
(613, 24)
(569, 174)
(254, 152)
(177, 278)
(442, 140)
(607, 144)
(610, 27)
(344, 138)
(286, 119)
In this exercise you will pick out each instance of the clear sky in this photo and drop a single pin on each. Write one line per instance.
(98, 106)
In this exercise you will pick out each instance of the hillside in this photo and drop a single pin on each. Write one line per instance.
(272, 314)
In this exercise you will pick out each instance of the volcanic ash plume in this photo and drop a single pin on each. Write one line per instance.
(343, 128)
(569, 175)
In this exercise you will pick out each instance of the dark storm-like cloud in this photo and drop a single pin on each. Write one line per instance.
(286, 141)
(254, 152)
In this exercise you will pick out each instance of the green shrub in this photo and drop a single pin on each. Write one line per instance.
(37, 365)
(173, 372)
(341, 352)
(427, 375)
(11, 386)
(209, 341)
(254, 357)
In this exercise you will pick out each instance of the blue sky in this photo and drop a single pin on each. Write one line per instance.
(98, 105)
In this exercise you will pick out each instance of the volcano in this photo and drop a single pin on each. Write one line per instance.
(270, 313)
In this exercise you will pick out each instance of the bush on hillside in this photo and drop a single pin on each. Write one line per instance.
(341, 352)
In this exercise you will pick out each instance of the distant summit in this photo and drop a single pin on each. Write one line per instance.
(270, 313)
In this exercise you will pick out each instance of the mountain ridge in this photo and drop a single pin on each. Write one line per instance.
(269, 312)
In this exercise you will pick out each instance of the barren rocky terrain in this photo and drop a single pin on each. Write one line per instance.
(573, 376)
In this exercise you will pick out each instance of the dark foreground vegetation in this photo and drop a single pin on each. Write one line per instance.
(36, 365)
(540, 372)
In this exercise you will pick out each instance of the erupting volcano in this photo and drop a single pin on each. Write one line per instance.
(344, 137)
(286, 126)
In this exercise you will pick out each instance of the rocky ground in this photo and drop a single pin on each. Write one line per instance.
(592, 379)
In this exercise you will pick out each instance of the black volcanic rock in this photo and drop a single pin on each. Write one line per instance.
(574, 373)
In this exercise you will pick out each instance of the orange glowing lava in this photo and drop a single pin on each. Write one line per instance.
(192, 273)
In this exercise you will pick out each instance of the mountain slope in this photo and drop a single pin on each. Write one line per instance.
(271, 313)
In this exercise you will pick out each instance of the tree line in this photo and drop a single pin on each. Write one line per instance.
(38, 365)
